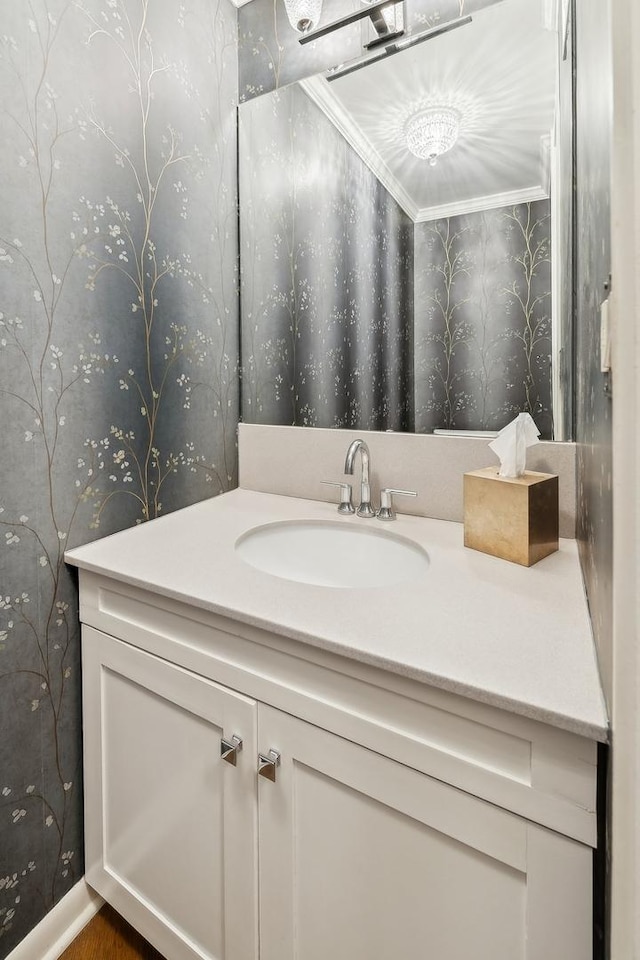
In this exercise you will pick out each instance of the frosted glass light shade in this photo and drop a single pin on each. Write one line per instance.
(303, 14)
(430, 133)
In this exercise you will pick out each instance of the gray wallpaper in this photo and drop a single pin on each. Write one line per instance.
(118, 354)
(483, 319)
(593, 238)
(270, 55)
(327, 276)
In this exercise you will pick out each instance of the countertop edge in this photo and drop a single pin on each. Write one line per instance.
(565, 722)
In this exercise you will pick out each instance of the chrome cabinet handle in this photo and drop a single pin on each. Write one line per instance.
(346, 505)
(267, 765)
(386, 511)
(229, 749)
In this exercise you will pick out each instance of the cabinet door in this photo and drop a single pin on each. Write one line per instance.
(171, 828)
(362, 857)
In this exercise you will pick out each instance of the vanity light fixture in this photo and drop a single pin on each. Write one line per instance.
(390, 49)
(431, 132)
(303, 14)
(388, 22)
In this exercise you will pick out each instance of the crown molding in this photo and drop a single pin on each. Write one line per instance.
(510, 198)
(318, 90)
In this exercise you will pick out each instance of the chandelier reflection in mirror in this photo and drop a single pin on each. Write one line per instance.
(303, 14)
(430, 133)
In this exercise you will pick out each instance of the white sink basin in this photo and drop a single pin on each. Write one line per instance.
(333, 554)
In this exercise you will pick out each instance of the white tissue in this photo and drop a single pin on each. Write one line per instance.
(511, 445)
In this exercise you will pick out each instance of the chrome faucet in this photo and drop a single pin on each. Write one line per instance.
(365, 509)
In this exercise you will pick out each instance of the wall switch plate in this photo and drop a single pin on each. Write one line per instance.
(605, 337)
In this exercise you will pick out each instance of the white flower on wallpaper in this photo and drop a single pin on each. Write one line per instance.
(118, 355)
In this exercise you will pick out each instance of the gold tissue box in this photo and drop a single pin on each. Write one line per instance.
(512, 518)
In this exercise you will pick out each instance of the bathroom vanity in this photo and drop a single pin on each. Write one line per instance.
(286, 770)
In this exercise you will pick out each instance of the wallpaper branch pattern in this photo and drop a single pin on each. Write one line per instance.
(525, 293)
(483, 319)
(448, 327)
(118, 355)
(38, 622)
(141, 468)
(131, 252)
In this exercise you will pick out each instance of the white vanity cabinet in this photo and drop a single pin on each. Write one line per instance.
(171, 830)
(403, 821)
(362, 857)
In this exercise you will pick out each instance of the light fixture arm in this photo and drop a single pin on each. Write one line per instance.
(372, 10)
(397, 47)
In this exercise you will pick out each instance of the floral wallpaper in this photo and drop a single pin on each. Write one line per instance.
(118, 354)
(483, 319)
(593, 265)
(270, 55)
(327, 276)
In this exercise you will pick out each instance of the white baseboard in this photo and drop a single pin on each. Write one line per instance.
(60, 926)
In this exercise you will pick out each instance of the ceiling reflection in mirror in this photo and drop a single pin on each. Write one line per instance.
(388, 291)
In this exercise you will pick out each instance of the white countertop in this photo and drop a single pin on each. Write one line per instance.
(513, 637)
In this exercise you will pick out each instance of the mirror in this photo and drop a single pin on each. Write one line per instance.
(404, 231)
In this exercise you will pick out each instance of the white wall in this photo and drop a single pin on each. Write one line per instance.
(625, 813)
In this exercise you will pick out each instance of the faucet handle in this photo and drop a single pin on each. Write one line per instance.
(346, 506)
(386, 511)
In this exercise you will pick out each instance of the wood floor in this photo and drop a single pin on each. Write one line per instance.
(109, 937)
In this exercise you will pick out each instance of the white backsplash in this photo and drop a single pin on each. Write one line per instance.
(293, 461)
